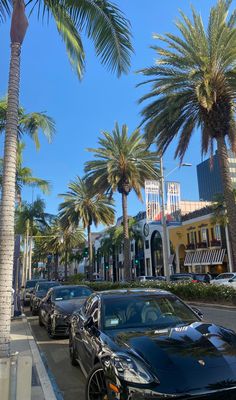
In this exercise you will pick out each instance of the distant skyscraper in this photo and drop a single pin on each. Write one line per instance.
(209, 176)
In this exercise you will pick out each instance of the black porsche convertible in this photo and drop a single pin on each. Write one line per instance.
(148, 344)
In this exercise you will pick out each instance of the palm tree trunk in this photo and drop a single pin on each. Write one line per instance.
(24, 264)
(127, 261)
(228, 194)
(19, 25)
(90, 251)
(27, 253)
(30, 256)
(66, 265)
(56, 265)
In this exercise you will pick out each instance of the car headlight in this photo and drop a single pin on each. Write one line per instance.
(131, 370)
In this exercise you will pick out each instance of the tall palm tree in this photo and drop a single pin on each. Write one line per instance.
(60, 242)
(81, 204)
(24, 176)
(102, 22)
(122, 163)
(193, 84)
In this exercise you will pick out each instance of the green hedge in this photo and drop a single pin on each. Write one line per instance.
(199, 292)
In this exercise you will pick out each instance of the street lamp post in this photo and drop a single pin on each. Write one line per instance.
(165, 236)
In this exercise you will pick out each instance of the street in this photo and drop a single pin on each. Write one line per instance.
(70, 380)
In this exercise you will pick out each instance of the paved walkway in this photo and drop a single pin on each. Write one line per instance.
(23, 342)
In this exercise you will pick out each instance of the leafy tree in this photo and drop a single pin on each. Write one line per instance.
(102, 22)
(24, 176)
(193, 85)
(81, 204)
(122, 163)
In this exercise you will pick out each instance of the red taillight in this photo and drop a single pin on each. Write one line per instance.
(194, 281)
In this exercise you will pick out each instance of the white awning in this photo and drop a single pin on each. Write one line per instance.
(218, 256)
(188, 258)
(205, 257)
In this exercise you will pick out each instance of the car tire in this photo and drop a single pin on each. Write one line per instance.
(73, 359)
(40, 319)
(51, 333)
(92, 383)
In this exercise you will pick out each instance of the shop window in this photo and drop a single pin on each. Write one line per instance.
(217, 232)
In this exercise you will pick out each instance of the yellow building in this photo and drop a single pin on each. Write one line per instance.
(199, 244)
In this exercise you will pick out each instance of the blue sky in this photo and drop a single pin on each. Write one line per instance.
(83, 109)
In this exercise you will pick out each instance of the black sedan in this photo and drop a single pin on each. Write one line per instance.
(58, 305)
(148, 344)
(40, 292)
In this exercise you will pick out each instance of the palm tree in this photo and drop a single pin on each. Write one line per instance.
(24, 176)
(193, 85)
(122, 163)
(60, 242)
(30, 220)
(102, 22)
(29, 123)
(81, 204)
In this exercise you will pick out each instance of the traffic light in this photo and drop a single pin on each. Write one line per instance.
(85, 252)
(136, 262)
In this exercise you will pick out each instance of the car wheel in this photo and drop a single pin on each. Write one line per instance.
(96, 385)
(51, 332)
(40, 319)
(73, 360)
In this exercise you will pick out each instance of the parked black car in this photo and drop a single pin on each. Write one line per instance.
(57, 306)
(147, 344)
(39, 293)
(192, 277)
(28, 289)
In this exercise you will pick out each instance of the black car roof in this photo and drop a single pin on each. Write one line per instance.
(136, 292)
(71, 287)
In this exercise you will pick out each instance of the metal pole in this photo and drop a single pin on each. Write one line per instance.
(228, 245)
(164, 226)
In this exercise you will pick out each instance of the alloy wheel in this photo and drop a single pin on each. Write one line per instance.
(97, 386)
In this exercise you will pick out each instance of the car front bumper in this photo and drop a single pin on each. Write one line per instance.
(135, 393)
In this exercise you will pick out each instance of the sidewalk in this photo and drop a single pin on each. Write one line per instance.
(23, 342)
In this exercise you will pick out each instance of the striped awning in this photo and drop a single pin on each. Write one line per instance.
(188, 258)
(205, 257)
(218, 256)
(197, 257)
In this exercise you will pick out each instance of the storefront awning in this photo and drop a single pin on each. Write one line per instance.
(205, 257)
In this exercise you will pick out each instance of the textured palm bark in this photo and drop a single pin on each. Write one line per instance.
(90, 253)
(228, 194)
(8, 202)
(127, 260)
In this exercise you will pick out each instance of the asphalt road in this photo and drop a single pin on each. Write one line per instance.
(70, 380)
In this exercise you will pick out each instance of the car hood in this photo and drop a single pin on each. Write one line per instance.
(184, 358)
(69, 306)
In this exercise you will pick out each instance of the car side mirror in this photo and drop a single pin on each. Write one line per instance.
(230, 280)
(198, 312)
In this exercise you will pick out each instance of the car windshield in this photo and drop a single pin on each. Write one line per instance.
(44, 286)
(30, 284)
(71, 293)
(155, 312)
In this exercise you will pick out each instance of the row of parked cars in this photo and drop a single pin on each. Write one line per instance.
(138, 343)
(227, 278)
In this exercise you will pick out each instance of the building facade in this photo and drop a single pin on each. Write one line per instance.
(209, 176)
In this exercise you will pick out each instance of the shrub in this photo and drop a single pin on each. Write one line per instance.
(200, 292)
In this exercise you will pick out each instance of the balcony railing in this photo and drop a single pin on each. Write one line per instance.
(202, 245)
(215, 243)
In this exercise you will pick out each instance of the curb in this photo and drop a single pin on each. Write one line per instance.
(212, 305)
(44, 379)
